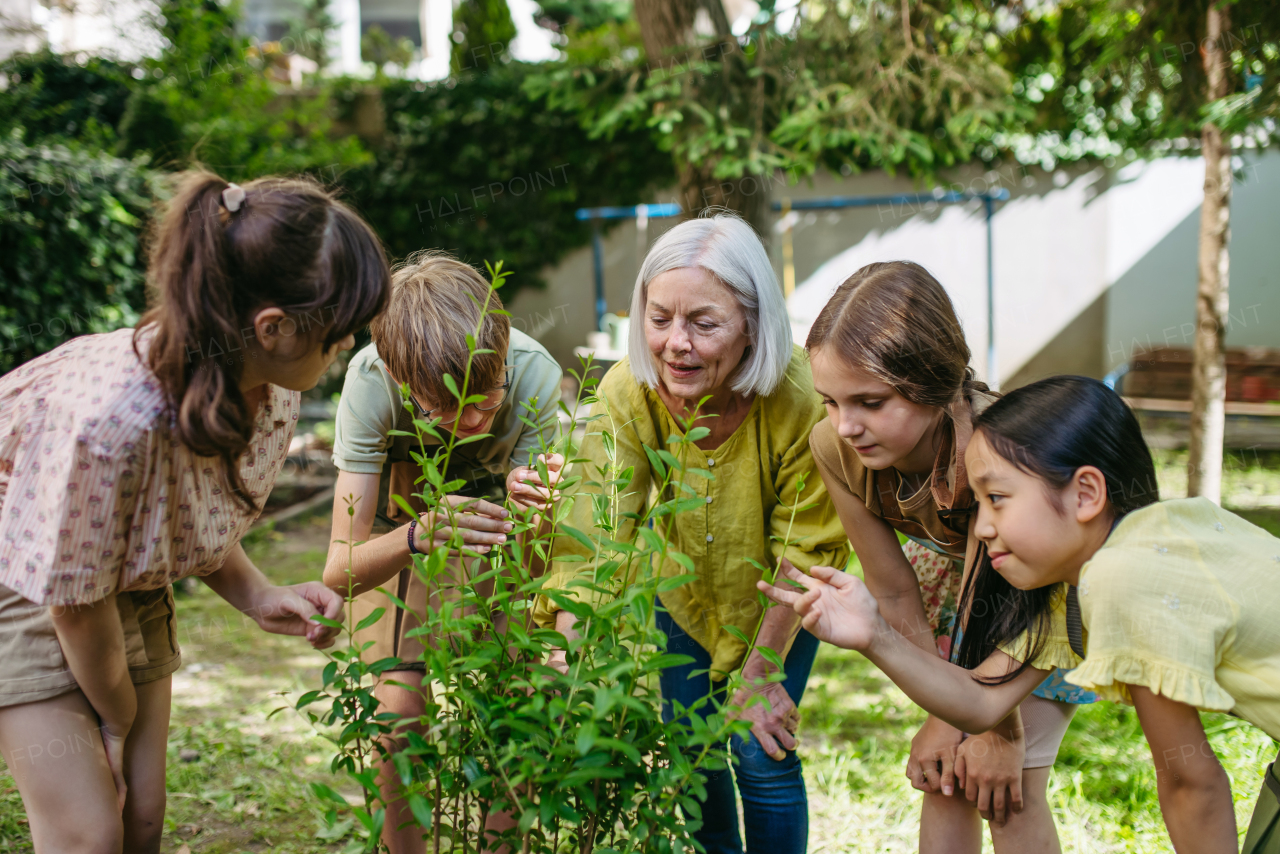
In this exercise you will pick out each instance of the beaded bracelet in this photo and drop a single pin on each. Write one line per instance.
(413, 547)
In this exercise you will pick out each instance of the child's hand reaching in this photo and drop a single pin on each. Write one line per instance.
(836, 607)
(525, 486)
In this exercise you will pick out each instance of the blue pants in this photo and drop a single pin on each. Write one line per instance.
(773, 794)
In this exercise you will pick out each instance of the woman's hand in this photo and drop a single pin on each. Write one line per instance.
(525, 486)
(288, 611)
(482, 525)
(934, 744)
(834, 606)
(989, 766)
(774, 722)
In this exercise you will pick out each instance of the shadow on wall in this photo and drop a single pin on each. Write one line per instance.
(1153, 304)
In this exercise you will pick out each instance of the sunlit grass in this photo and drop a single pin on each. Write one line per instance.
(238, 778)
(857, 732)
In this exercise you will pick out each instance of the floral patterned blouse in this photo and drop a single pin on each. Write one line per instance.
(939, 575)
(97, 495)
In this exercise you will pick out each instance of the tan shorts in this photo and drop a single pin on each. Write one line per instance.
(32, 666)
(391, 634)
(1044, 723)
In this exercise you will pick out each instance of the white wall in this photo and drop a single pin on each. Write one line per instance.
(1152, 301)
(1119, 241)
(120, 29)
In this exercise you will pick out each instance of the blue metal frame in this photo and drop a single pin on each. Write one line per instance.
(596, 215)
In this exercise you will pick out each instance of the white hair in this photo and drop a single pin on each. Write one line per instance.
(727, 248)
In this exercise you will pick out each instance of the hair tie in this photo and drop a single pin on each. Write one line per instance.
(233, 197)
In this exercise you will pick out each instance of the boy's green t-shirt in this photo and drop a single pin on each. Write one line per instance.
(371, 407)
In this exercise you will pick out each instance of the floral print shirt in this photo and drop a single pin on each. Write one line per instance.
(97, 495)
(939, 576)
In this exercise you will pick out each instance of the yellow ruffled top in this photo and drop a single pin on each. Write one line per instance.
(744, 509)
(1182, 599)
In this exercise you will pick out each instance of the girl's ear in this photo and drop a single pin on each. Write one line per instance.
(272, 326)
(1091, 493)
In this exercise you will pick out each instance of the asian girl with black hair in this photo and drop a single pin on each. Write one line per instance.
(1169, 606)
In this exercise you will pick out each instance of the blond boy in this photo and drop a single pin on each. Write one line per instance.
(435, 303)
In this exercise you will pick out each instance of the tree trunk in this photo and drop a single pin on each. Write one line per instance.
(1209, 370)
(670, 38)
(666, 26)
(748, 196)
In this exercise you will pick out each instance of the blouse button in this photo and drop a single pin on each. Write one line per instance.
(708, 499)
(711, 462)
(710, 538)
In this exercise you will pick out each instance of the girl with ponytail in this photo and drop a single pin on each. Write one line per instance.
(891, 363)
(135, 458)
(1168, 606)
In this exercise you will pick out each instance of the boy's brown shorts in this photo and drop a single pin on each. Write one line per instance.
(390, 634)
(33, 668)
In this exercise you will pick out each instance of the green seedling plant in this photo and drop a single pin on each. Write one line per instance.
(513, 753)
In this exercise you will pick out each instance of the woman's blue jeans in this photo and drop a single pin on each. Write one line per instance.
(773, 796)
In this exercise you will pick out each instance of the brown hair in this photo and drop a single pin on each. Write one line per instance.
(436, 301)
(290, 244)
(893, 320)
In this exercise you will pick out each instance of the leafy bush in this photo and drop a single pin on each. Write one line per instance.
(71, 258)
(209, 98)
(47, 95)
(482, 31)
(581, 760)
(478, 167)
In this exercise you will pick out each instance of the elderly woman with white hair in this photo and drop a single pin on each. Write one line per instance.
(709, 321)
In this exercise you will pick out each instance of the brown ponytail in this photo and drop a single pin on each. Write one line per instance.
(289, 244)
(895, 322)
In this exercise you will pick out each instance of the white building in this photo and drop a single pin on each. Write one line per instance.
(122, 29)
(116, 28)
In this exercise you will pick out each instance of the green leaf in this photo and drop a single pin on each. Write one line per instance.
(655, 461)
(771, 657)
(666, 585)
(325, 793)
(373, 617)
(421, 810)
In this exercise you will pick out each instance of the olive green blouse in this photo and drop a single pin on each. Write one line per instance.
(746, 511)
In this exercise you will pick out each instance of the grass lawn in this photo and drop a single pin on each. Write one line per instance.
(238, 774)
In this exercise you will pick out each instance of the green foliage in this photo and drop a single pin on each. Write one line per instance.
(606, 44)
(378, 47)
(584, 15)
(579, 757)
(310, 32)
(48, 95)
(1105, 77)
(208, 98)
(482, 30)
(847, 87)
(212, 99)
(71, 259)
(479, 168)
